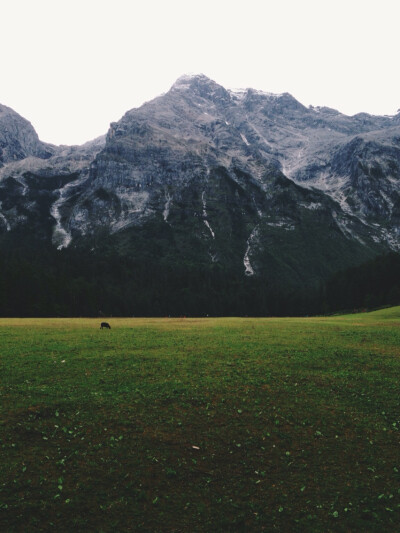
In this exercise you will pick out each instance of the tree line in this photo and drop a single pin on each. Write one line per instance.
(37, 280)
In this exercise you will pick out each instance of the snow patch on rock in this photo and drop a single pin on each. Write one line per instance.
(288, 226)
(248, 269)
(61, 236)
(244, 139)
(203, 198)
(168, 200)
(312, 205)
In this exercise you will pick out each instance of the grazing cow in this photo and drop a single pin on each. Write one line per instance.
(105, 325)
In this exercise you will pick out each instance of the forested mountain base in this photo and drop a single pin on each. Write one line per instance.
(77, 283)
(38, 280)
(370, 285)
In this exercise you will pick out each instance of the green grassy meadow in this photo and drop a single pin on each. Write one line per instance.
(201, 425)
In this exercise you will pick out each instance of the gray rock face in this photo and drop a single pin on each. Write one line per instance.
(243, 177)
(33, 190)
(18, 139)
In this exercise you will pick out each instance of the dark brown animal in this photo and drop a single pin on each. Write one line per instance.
(105, 325)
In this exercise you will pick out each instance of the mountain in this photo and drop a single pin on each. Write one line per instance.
(253, 183)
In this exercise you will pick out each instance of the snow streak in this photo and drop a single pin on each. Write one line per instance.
(249, 271)
(205, 215)
(168, 198)
(61, 236)
(244, 139)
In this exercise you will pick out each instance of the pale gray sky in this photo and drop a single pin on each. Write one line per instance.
(73, 66)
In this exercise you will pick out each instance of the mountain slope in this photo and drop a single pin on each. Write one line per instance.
(255, 183)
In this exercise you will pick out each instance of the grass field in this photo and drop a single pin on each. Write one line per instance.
(186, 425)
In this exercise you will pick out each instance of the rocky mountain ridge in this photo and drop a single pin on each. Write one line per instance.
(206, 175)
(18, 139)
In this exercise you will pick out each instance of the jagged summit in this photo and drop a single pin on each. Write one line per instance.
(201, 86)
(188, 79)
(207, 87)
(195, 82)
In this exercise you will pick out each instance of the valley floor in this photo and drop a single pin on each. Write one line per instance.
(200, 425)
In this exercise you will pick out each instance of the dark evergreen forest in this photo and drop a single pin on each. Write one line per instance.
(36, 280)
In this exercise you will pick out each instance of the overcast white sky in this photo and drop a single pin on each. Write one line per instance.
(73, 66)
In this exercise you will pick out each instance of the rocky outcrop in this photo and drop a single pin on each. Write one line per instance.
(18, 139)
(35, 190)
